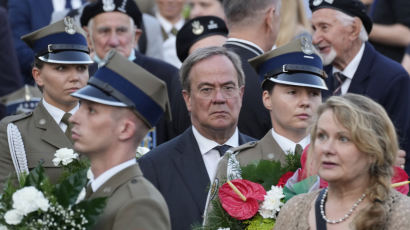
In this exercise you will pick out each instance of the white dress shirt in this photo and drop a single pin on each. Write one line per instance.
(169, 46)
(104, 177)
(211, 156)
(287, 145)
(58, 114)
(350, 70)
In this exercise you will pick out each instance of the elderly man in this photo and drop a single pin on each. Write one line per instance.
(183, 167)
(119, 105)
(115, 25)
(341, 31)
(294, 78)
(253, 27)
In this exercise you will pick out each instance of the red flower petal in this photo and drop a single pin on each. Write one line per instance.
(234, 205)
(399, 176)
(284, 178)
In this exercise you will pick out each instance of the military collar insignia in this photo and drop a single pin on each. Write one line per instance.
(318, 2)
(306, 45)
(69, 25)
(108, 5)
(212, 25)
(197, 28)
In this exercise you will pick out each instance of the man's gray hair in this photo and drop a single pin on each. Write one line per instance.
(237, 11)
(348, 20)
(205, 53)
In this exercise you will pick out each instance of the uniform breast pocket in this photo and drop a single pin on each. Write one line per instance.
(53, 172)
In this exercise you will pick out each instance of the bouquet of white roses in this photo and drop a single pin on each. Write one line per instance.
(37, 204)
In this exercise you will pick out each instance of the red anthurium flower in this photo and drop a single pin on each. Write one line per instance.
(284, 178)
(234, 205)
(399, 176)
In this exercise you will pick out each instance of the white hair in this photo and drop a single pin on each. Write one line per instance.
(348, 20)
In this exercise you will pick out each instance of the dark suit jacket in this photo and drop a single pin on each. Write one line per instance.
(177, 170)
(386, 82)
(254, 119)
(133, 203)
(10, 77)
(166, 130)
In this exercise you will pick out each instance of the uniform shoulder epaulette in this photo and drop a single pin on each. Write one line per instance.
(16, 117)
(248, 145)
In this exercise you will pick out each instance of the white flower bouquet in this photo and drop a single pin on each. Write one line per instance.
(38, 204)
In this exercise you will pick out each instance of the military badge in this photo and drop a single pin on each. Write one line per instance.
(108, 5)
(212, 25)
(122, 7)
(69, 25)
(306, 45)
(197, 28)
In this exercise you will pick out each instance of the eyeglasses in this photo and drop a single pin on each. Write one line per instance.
(227, 91)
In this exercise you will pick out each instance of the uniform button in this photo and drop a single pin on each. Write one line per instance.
(42, 121)
(271, 156)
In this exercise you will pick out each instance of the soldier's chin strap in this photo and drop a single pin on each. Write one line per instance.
(17, 152)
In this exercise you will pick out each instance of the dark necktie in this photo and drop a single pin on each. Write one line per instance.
(68, 4)
(222, 149)
(298, 150)
(69, 125)
(338, 79)
(88, 191)
(174, 31)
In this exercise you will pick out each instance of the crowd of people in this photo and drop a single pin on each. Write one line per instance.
(193, 80)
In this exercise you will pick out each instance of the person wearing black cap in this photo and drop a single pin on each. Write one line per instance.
(294, 78)
(120, 103)
(116, 24)
(341, 29)
(253, 29)
(200, 32)
(60, 68)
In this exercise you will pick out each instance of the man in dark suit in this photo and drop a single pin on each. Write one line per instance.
(116, 25)
(253, 28)
(9, 70)
(117, 110)
(341, 31)
(181, 169)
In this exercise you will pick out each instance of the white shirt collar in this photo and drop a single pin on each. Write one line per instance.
(351, 68)
(246, 42)
(205, 144)
(104, 177)
(57, 113)
(287, 145)
(166, 25)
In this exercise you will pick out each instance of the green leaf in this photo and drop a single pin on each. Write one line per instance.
(36, 177)
(265, 172)
(67, 191)
(300, 187)
(92, 209)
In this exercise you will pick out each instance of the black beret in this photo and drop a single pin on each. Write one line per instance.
(197, 29)
(354, 8)
(128, 7)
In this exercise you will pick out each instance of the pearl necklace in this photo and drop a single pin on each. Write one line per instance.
(348, 214)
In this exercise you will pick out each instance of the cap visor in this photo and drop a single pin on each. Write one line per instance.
(67, 57)
(300, 79)
(91, 93)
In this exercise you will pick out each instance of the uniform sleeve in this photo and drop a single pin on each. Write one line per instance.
(6, 163)
(145, 213)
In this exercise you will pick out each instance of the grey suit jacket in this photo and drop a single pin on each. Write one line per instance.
(133, 203)
(42, 137)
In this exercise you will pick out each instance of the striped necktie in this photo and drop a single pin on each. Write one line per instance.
(338, 79)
